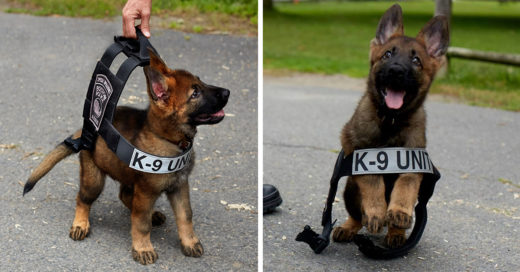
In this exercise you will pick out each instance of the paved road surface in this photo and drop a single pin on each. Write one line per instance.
(474, 215)
(45, 68)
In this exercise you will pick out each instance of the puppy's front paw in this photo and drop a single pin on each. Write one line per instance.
(394, 240)
(341, 234)
(195, 250)
(374, 224)
(79, 232)
(398, 219)
(145, 256)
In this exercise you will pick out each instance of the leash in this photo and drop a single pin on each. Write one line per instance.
(377, 161)
(100, 105)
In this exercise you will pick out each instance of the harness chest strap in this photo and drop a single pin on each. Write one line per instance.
(104, 91)
(377, 161)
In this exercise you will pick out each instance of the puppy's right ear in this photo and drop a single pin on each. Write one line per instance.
(391, 24)
(156, 79)
(436, 36)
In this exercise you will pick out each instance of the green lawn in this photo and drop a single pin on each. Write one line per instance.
(333, 37)
(206, 16)
(247, 8)
(72, 8)
(104, 8)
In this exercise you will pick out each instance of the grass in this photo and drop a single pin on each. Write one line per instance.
(191, 19)
(103, 8)
(72, 8)
(333, 37)
(246, 8)
(228, 16)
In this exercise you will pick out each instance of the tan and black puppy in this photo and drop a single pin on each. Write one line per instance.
(179, 101)
(391, 114)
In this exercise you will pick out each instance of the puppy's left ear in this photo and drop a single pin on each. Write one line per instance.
(391, 24)
(436, 36)
(156, 79)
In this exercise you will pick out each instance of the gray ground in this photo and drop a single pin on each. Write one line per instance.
(474, 216)
(45, 68)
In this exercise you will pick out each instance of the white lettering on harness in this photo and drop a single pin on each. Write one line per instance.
(391, 160)
(145, 162)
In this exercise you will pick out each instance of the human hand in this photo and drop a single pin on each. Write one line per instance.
(136, 9)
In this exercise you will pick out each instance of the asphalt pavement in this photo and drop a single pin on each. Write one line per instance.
(45, 68)
(474, 215)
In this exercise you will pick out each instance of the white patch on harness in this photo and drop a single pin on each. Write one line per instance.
(391, 161)
(101, 93)
(149, 163)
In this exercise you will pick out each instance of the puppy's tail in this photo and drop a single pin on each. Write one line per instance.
(56, 155)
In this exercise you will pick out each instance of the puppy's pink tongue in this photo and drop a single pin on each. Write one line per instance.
(219, 113)
(394, 99)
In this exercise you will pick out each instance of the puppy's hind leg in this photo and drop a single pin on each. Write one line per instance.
(126, 194)
(395, 237)
(346, 232)
(92, 181)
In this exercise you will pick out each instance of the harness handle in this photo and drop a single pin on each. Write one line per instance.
(136, 48)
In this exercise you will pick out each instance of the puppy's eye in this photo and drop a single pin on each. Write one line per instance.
(196, 91)
(416, 61)
(387, 55)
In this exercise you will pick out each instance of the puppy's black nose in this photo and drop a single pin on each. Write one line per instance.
(224, 93)
(396, 71)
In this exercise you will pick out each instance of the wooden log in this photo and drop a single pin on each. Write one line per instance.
(457, 52)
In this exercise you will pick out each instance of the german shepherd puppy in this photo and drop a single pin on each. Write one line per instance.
(179, 102)
(391, 114)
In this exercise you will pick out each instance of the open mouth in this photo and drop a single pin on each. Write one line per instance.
(212, 118)
(394, 99)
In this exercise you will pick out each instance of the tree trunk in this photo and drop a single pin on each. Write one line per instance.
(443, 7)
(268, 4)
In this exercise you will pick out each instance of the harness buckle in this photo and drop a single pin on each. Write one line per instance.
(74, 144)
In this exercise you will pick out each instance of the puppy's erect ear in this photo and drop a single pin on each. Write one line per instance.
(390, 24)
(156, 79)
(436, 36)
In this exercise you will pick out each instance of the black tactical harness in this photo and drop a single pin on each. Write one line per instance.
(100, 105)
(353, 165)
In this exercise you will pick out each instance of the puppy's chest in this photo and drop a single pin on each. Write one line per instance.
(379, 136)
(168, 182)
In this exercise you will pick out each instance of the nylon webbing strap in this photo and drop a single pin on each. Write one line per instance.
(103, 93)
(377, 161)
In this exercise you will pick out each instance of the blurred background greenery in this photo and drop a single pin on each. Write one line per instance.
(206, 16)
(332, 37)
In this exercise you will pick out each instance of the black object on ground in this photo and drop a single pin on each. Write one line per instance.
(272, 198)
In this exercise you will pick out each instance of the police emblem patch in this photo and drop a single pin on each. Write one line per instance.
(100, 96)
